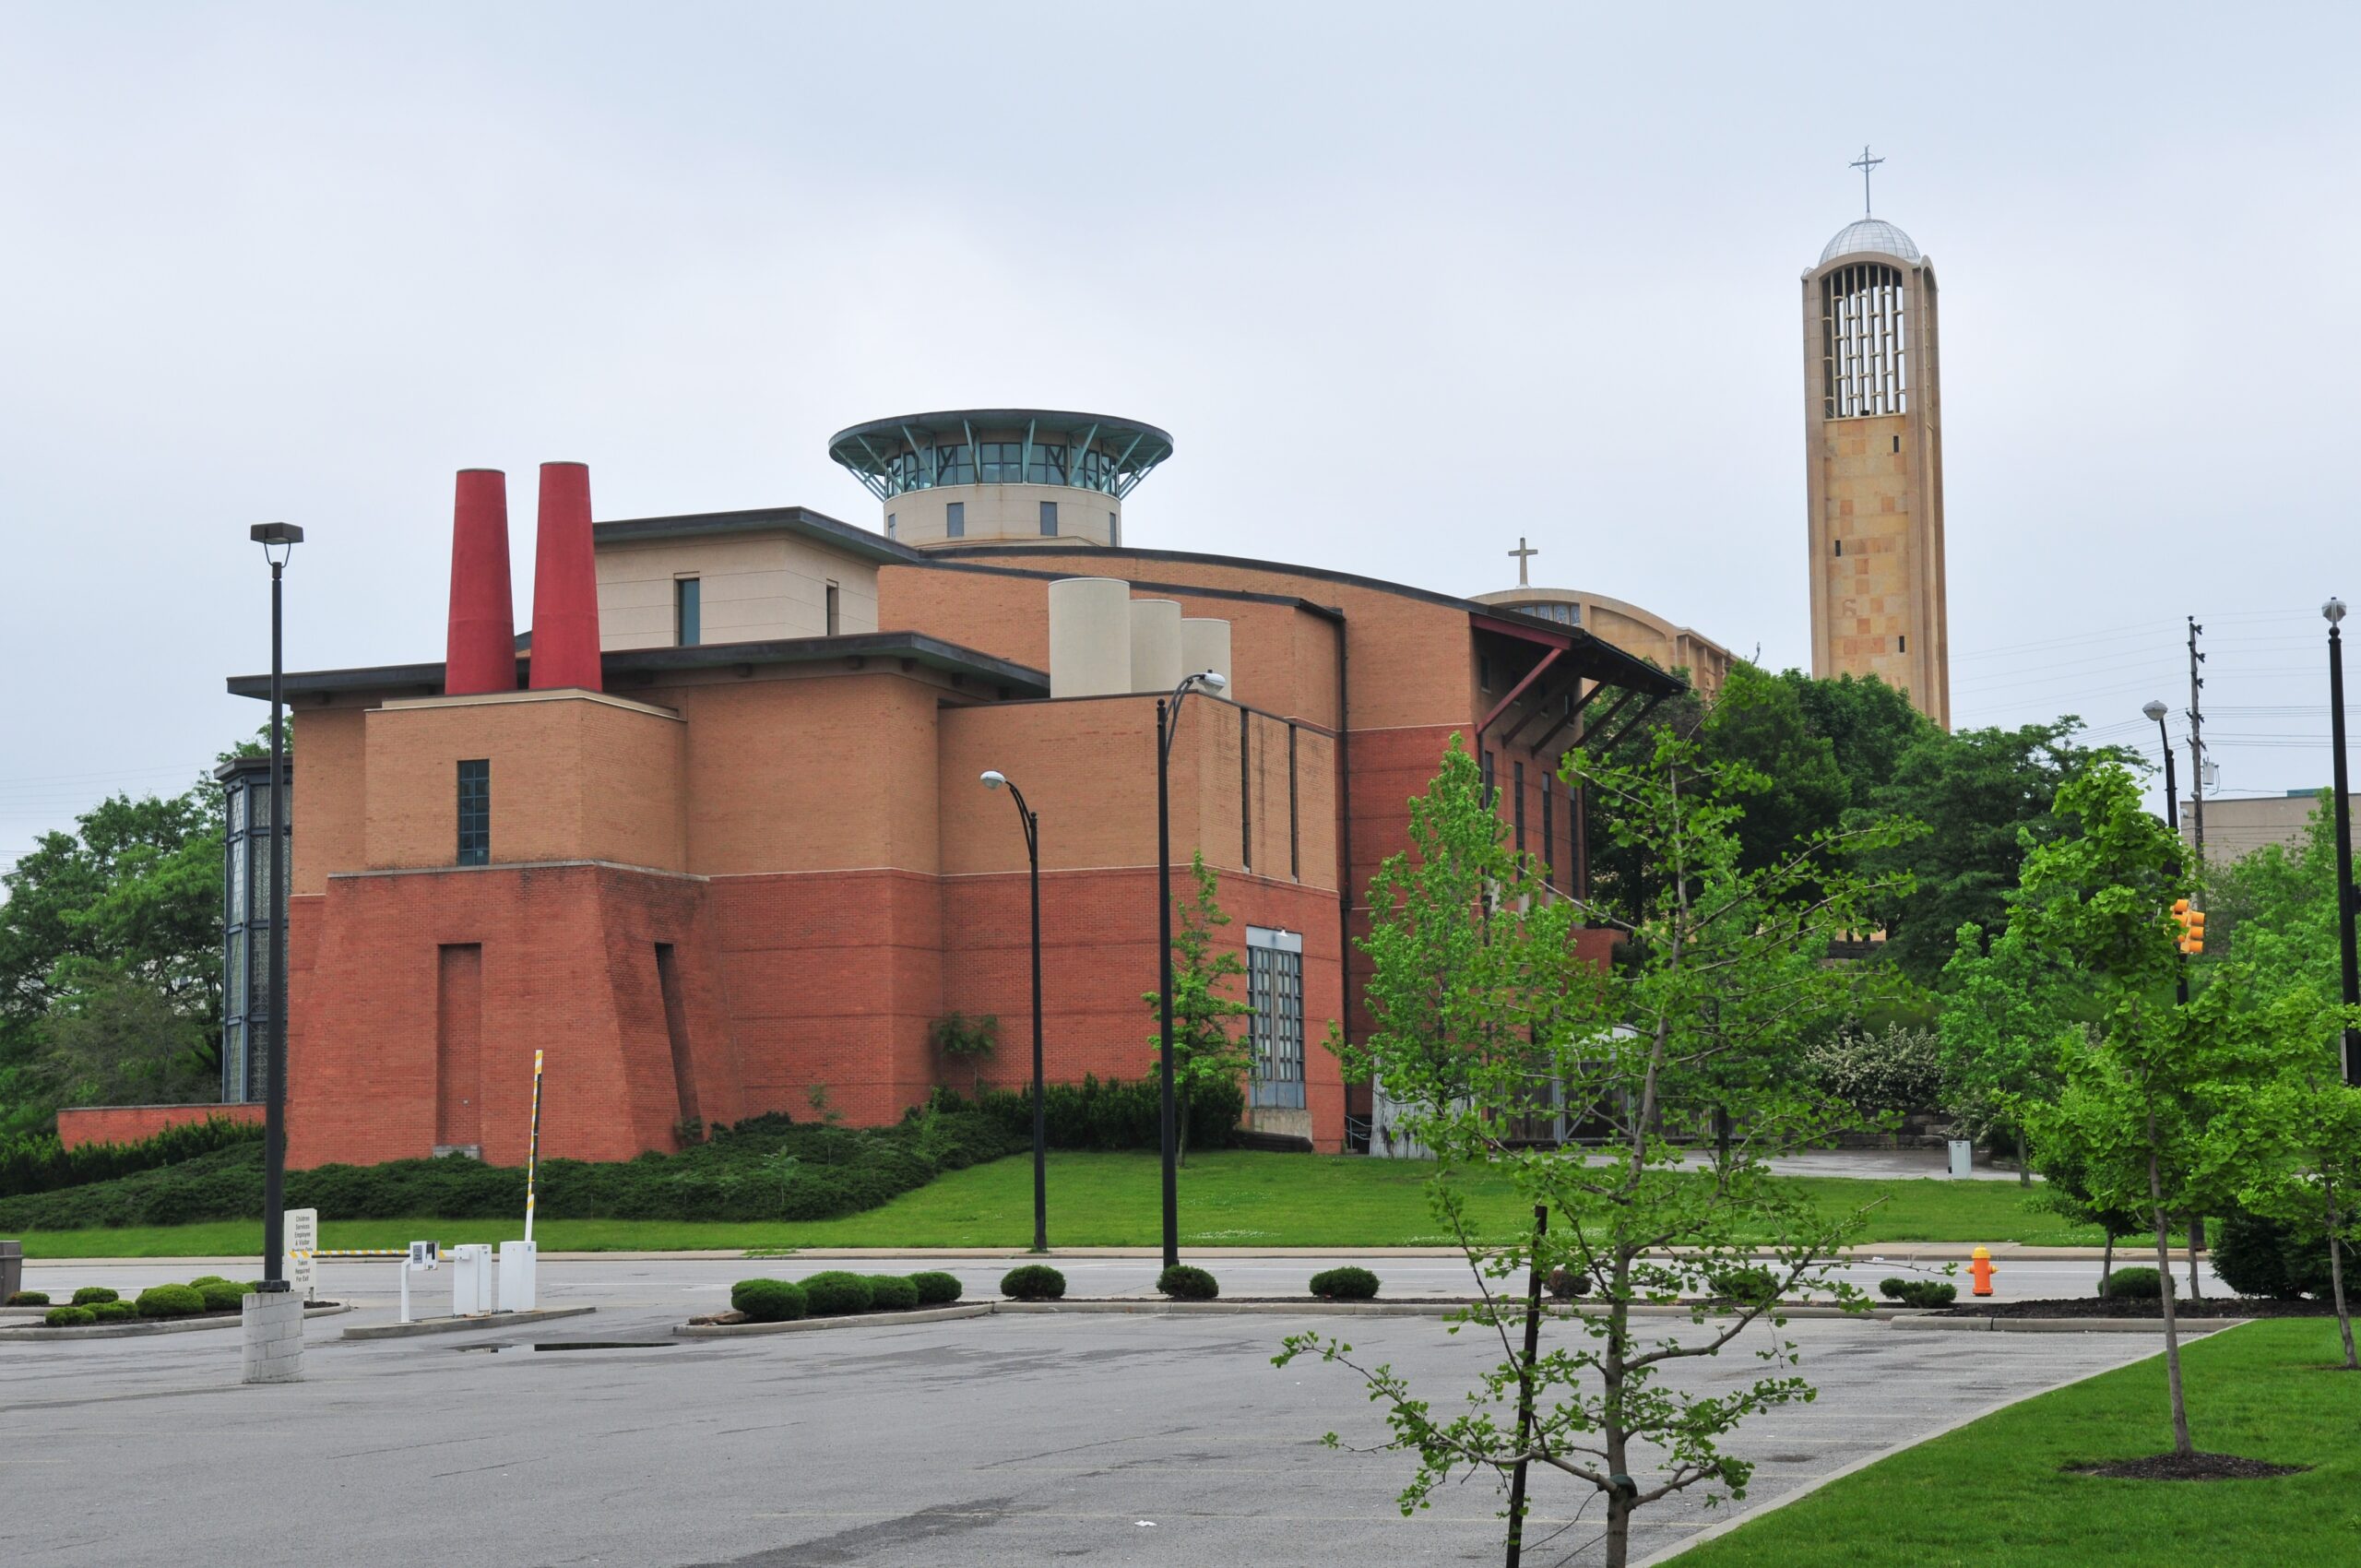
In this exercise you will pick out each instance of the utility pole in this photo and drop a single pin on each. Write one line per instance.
(2196, 748)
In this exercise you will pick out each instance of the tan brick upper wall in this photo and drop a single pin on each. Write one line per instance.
(329, 812)
(752, 588)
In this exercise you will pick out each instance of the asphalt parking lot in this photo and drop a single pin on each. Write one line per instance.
(1004, 1440)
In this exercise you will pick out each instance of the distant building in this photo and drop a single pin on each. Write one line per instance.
(2235, 829)
(1705, 662)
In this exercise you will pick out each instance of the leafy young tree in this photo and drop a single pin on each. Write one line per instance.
(1206, 1051)
(1485, 1016)
(958, 1038)
(2001, 1012)
(2141, 1086)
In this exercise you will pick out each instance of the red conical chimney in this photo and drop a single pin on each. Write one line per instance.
(480, 653)
(565, 584)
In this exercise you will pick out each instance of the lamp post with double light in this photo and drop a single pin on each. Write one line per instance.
(2332, 612)
(278, 542)
(1167, 724)
(995, 779)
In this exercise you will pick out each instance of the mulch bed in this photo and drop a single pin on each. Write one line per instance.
(2187, 1467)
(2096, 1306)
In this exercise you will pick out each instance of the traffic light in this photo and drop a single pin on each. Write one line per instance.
(2192, 926)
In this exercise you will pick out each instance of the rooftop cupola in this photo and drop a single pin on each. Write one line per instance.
(1002, 476)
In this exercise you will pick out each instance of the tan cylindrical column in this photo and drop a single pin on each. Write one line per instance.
(1090, 636)
(1205, 645)
(1156, 645)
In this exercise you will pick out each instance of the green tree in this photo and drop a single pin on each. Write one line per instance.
(958, 1038)
(1484, 1014)
(1206, 1051)
(1989, 796)
(1869, 727)
(2001, 1011)
(1757, 721)
(2142, 1086)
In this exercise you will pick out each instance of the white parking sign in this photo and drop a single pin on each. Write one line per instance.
(302, 1240)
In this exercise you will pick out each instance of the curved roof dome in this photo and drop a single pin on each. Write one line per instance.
(1870, 234)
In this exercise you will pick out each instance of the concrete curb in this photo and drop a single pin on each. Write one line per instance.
(2068, 1324)
(1883, 1251)
(853, 1320)
(142, 1330)
(462, 1325)
(1738, 1521)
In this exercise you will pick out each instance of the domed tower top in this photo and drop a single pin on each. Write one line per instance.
(1870, 236)
(1002, 476)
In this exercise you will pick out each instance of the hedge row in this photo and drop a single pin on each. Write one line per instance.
(770, 1168)
(1114, 1113)
(836, 1294)
(38, 1163)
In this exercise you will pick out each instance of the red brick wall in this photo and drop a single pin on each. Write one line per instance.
(130, 1123)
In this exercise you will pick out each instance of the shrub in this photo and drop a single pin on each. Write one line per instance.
(936, 1288)
(170, 1300)
(1185, 1283)
(202, 1280)
(891, 1292)
(69, 1317)
(2133, 1285)
(836, 1293)
(222, 1296)
(91, 1295)
(1918, 1292)
(769, 1300)
(1114, 1113)
(37, 1162)
(1897, 1071)
(1566, 1284)
(30, 1299)
(1747, 1286)
(2263, 1258)
(114, 1312)
(1033, 1282)
(1347, 1284)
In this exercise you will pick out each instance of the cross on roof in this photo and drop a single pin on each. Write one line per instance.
(1523, 553)
(1865, 164)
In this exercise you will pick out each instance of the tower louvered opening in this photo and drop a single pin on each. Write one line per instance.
(1862, 366)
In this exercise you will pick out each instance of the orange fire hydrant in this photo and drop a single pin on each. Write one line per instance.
(1980, 1270)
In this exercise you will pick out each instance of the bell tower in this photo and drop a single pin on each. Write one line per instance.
(1873, 461)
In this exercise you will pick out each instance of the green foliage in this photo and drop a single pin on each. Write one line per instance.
(769, 1300)
(1119, 1114)
(91, 1295)
(1347, 1284)
(957, 1037)
(1184, 1282)
(29, 1298)
(1208, 1056)
(2141, 1284)
(891, 1292)
(223, 1296)
(69, 1317)
(1918, 1292)
(2257, 1255)
(1033, 1282)
(202, 1280)
(836, 1293)
(768, 1168)
(1485, 1016)
(114, 1312)
(935, 1288)
(171, 1300)
(1890, 1073)
(1566, 1284)
(1989, 796)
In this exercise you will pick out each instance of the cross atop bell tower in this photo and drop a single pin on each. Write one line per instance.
(1865, 164)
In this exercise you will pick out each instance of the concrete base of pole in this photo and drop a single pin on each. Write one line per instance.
(273, 1327)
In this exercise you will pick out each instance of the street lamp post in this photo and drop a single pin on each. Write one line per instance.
(278, 542)
(2157, 711)
(1167, 724)
(2332, 612)
(1032, 822)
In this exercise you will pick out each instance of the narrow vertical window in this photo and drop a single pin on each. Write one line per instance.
(1048, 519)
(1295, 841)
(1115, 529)
(475, 813)
(954, 520)
(1274, 989)
(889, 525)
(1486, 770)
(1245, 792)
(688, 610)
(835, 613)
(1516, 781)
(1548, 829)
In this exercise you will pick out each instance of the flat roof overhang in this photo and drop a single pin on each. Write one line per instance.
(932, 653)
(817, 527)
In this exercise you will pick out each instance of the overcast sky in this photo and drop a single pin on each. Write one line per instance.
(1404, 282)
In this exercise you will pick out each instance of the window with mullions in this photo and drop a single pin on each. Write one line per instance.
(1048, 465)
(475, 813)
(1274, 989)
(903, 471)
(1003, 461)
(954, 464)
(1095, 470)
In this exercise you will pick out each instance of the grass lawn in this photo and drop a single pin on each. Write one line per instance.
(1228, 1198)
(1992, 1494)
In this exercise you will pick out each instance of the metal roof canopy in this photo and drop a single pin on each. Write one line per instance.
(867, 450)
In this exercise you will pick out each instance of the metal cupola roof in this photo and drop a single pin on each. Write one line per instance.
(890, 455)
(1870, 236)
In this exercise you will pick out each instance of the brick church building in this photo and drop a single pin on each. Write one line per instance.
(711, 834)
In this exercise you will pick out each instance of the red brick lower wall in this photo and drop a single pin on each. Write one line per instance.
(130, 1123)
